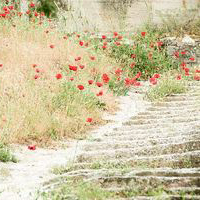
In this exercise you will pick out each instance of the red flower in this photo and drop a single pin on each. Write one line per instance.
(90, 82)
(32, 5)
(159, 43)
(105, 78)
(127, 81)
(28, 12)
(192, 59)
(103, 37)
(32, 147)
(37, 70)
(36, 76)
(137, 83)
(183, 65)
(117, 43)
(92, 57)
(105, 43)
(52, 46)
(197, 78)
(104, 47)
(34, 65)
(133, 56)
(89, 119)
(132, 64)
(58, 76)
(115, 34)
(153, 81)
(143, 34)
(77, 58)
(100, 93)
(71, 79)
(197, 70)
(138, 75)
(183, 52)
(82, 66)
(178, 77)
(118, 72)
(80, 87)
(156, 76)
(65, 37)
(11, 7)
(81, 43)
(1, 65)
(187, 70)
(187, 74)
(99, 84)
(36, 14)
(73, 68)
(120, 37)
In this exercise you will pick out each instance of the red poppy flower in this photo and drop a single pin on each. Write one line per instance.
(92, 57)
(99, 84)
(118, 72)
(78, 35)
(77, 58)
(133, 56)
(183, 65)
(32, 147)
(153, 81)
(1, 65)
(105, 43)
(156, 76)
(73, 68)
(81, 43)
(159, 43)
(115, 34)
(36, 76)
(37, 70)
(100, 93)
(187, 70)
(103, 37)
(104, 47)
(11, 7)
(192, 59)
(117, 43)
(58, 76)
(137, 83)
(82, 66)
(105, 78)
(127, 81)
(80, 87)
(52, 46)
(120, 37)
(90, 82)
(143, 34)
(28, 12)
(132, 64)
(65, 37)
(197, 78)
(183, 52)
(36, 14)
(138, 75)
(197, 70)
(187, 74)
(71, 79)
(32, 5)
(178, 77)
(89, 119)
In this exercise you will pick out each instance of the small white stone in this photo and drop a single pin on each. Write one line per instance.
(187, 40)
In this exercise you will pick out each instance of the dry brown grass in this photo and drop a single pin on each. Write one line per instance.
(27, 113)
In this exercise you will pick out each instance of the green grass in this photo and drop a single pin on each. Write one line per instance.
(166, 87)
(6, 155)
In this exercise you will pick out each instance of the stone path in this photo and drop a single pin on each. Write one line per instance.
(158, 147)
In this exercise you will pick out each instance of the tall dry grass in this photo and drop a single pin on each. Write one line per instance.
(46, 109)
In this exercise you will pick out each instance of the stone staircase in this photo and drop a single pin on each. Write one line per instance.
(155, 155)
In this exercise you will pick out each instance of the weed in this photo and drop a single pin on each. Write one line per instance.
(6, 155)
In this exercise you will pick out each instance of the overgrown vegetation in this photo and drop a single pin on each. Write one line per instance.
(6, 155)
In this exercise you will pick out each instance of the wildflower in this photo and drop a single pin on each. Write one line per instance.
(65, 37)
(115, 34)
(90, 82)
(73, 68)
(187, 70)
(92, 57)
(178, 77)
(176, 54)
(197, 78)
(138, 75)
(103, 37)
(11, 7)
(28, 12)
(36, 14)
(105, 78)
(1, 65)
(127, 81)
(133, 56)
(81, 43)
(52, 46)
(159, 43)
(32, 147)
(36, 76)
(183, 52)
(150, 55)
(58, 76)
(137, 83)
(37, 70)
(104, 47)
(100, 93)
(132, 64)
(118, 72)
(197, 70)
(143, 34)
(153, 81)
(77, 58)
(32, 5)
(89, 119)
(120, 37)
(183, 65)
(156, 76)
(192, 59)
(80, 87)
(99, 84)
(82, 66)
(187, 74)
(71, 79)
(105, 43)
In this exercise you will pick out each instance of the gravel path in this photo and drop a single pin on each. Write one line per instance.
(159, 143)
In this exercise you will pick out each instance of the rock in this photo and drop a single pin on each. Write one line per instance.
(187, 40)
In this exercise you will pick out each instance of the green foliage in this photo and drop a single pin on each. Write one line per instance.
(6, 155)
(166, 87)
